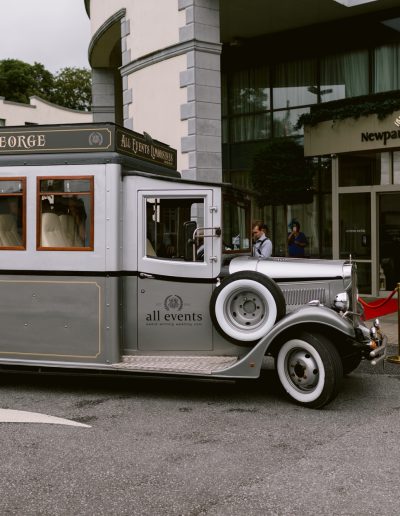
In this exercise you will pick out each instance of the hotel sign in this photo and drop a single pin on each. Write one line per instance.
(85, 138)
(380, 136)
(367, 133)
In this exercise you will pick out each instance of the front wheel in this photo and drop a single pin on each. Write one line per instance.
(309, 369)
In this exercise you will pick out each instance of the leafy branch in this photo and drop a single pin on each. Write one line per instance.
(69, 87)
(380, 104)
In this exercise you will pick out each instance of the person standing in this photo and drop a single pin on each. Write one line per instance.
(297, 241)
(262, 247)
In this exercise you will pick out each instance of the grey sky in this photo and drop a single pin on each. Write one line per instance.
(55, 33)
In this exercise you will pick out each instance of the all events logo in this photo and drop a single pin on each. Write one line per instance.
(175, 313)
(173, 302)
(95, 139)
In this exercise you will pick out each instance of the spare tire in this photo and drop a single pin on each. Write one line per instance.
(245, 306)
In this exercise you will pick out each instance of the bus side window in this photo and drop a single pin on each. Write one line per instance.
(65, 208)
(12, 213)
(165, 225)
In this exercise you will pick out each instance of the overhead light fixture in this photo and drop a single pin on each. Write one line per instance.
(353, 3)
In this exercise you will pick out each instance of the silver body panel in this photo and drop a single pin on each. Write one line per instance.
(59, 319)
(106, 255)
(301, 280)
(88, 309)
(290, 268)
(249, 366)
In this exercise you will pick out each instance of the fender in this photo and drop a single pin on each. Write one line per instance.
(249, 366)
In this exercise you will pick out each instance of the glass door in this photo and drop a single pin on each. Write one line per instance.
(366, 217)
(389, 240)
(355, 234)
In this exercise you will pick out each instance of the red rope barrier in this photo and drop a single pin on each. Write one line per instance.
(380, 307)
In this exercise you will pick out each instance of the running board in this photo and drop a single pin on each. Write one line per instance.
(175, 364)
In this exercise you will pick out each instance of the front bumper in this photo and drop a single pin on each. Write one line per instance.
(373, 344)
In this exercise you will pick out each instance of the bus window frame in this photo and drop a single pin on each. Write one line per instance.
(161, 221)
(22, 194)
(233, 199)
(39, 194)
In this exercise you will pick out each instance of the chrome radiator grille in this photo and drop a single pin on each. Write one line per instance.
(296, 297)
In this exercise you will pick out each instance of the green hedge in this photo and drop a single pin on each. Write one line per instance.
(381, 104)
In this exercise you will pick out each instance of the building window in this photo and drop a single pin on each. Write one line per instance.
(249, 104)
(295, 84)
(2, 122)
(387, 68)
(344, 75)
(65, 213)
(369, 168)
(224, 107)
(285, 122)
(12, 213)
(263, 102)
(396, 168)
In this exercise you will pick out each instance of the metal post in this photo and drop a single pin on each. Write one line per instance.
(395, 359)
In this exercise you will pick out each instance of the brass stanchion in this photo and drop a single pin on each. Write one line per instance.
(395, 359)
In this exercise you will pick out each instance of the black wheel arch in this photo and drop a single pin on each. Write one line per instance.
(339, 340)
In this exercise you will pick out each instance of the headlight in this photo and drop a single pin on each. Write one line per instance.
(341, 302)
(350, 283)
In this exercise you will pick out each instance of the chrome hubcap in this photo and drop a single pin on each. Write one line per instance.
(245, 309)
(302, 369)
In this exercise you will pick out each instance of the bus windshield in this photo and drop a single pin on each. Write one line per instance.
(236, 224)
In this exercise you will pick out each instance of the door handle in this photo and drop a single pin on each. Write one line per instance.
(144, 275)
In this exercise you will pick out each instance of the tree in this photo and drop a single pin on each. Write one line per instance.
(44, 81)
(70, 87)
(73, 88)
(19, 81)
(281, 175)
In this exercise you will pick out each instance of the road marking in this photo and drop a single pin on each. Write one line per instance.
(21, 416)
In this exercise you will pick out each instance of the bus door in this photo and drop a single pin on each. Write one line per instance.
(178, 257)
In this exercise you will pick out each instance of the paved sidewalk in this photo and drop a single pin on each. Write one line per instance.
(389, 326)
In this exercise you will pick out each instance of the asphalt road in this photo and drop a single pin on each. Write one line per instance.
(195, 448)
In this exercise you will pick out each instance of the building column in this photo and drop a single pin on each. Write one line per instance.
(103, 103)
(126, 59)
(202, 81)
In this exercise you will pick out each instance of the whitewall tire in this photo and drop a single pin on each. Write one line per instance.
(309, 369)
(246, 306)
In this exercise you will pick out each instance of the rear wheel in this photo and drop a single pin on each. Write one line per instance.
(309, 369)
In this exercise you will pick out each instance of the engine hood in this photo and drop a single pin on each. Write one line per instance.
(292, 268)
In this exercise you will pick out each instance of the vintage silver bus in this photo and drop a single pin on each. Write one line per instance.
(112, 262)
